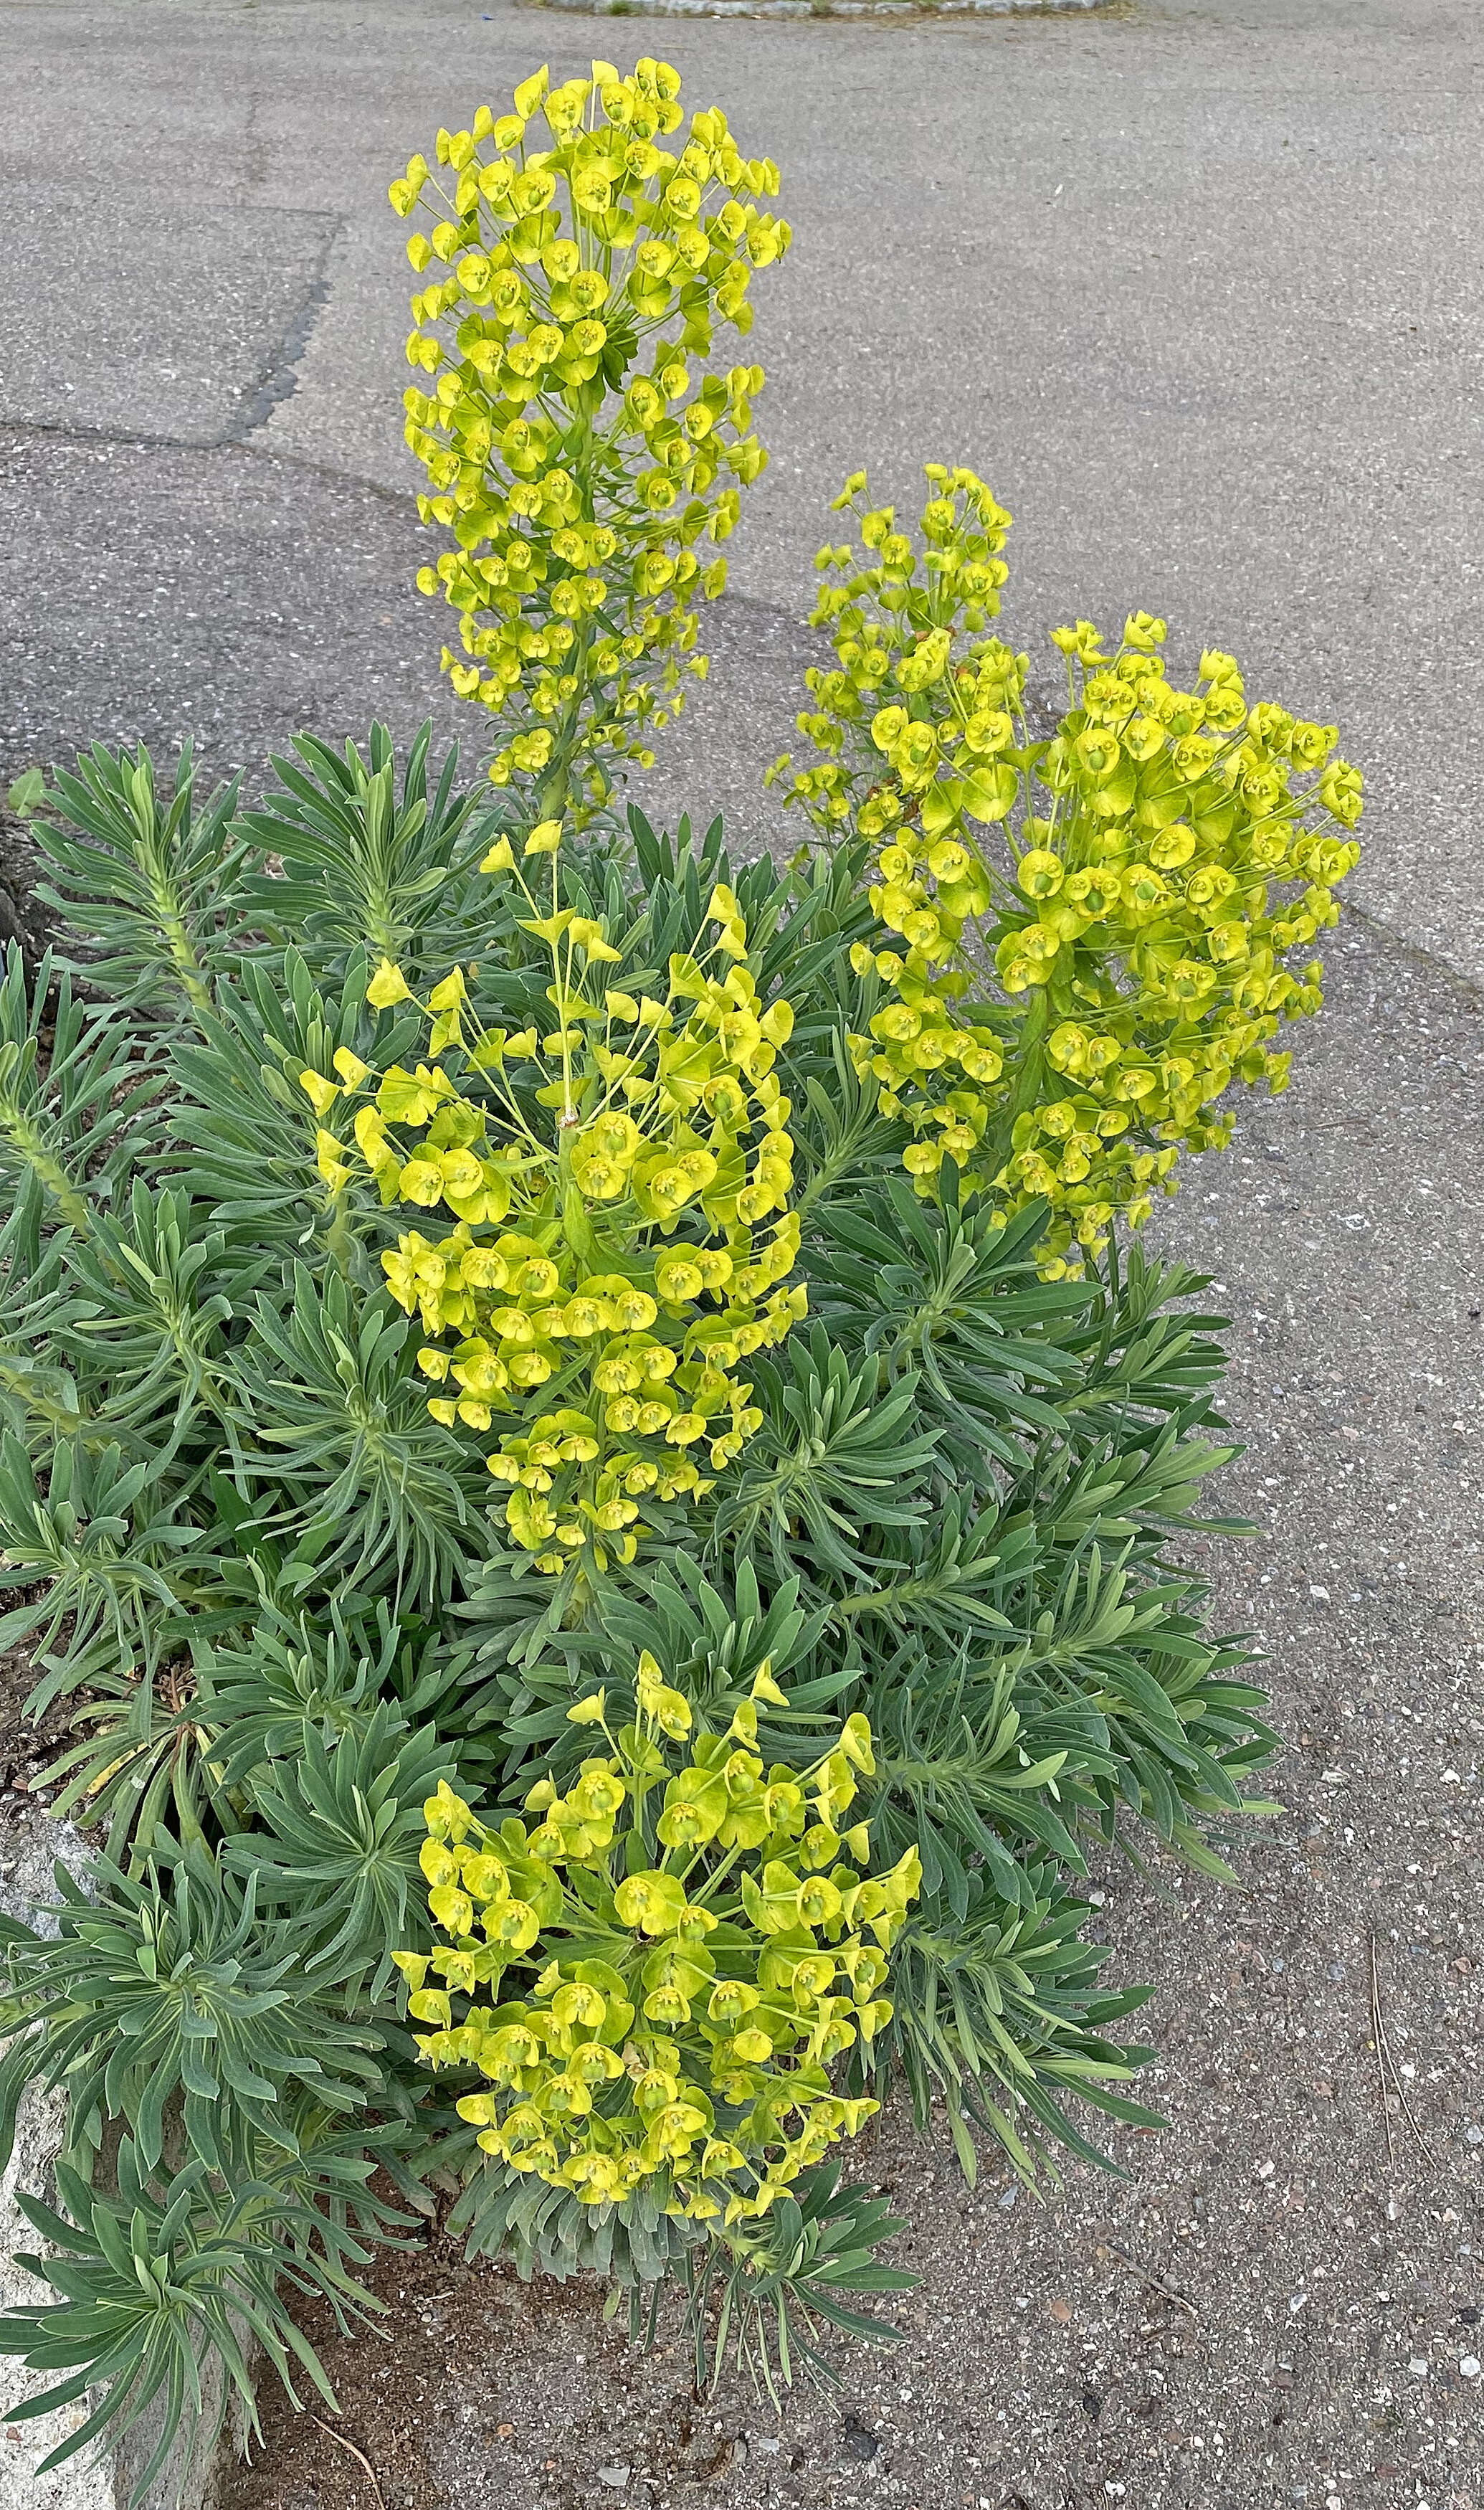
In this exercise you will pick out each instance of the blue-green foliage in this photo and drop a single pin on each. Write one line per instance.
(269, 1592)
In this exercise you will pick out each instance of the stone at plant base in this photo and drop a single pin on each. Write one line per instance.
(29, 1845)
(77, 2486)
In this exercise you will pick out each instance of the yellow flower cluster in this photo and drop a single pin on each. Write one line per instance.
(658, 1967)
(573, 443)
(1162, 856)
(649, 1236)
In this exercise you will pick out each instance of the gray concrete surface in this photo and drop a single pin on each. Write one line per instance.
(1195, 283)
(146, 322)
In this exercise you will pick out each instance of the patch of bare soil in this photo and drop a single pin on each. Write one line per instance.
(26, 1747)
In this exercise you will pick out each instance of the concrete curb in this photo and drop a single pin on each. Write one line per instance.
(823, 8)
(193, 2474)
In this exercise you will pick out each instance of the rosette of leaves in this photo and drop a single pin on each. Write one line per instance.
(1162, 856)
(243, 2115)
(675, 1952)
(576, 453)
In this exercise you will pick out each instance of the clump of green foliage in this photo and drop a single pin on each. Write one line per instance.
(577, 1704)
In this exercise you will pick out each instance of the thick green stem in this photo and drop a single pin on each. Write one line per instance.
(47, 1168)
(554, 791)
(337, 1237)
(1028, 1070)
(836, 1163)
(576, 1226)
(176, 935)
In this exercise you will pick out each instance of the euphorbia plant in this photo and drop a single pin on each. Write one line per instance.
(849, 1646)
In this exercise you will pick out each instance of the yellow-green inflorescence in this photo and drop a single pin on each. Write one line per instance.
(576, 447)
(1160, 858)
(656, 1971)
(617, 1189)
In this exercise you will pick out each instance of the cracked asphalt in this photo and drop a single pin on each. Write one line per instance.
(1196, 285)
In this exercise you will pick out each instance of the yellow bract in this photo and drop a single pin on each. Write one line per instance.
(659, 1966)
(1160, 859)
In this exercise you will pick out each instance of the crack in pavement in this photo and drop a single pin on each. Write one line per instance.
(280, 380)
(275, 383)
(289, 457)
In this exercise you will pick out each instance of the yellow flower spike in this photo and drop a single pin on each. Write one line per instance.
(578, 2089)
(558, 237)
(578, 1486)
(544, 837)
(1141, 838)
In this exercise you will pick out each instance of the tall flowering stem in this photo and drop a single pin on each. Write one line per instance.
(579, 450)
(1059, 1014)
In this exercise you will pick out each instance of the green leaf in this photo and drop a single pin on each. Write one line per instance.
(23, 795)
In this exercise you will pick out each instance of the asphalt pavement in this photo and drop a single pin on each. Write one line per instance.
(1194, 283)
